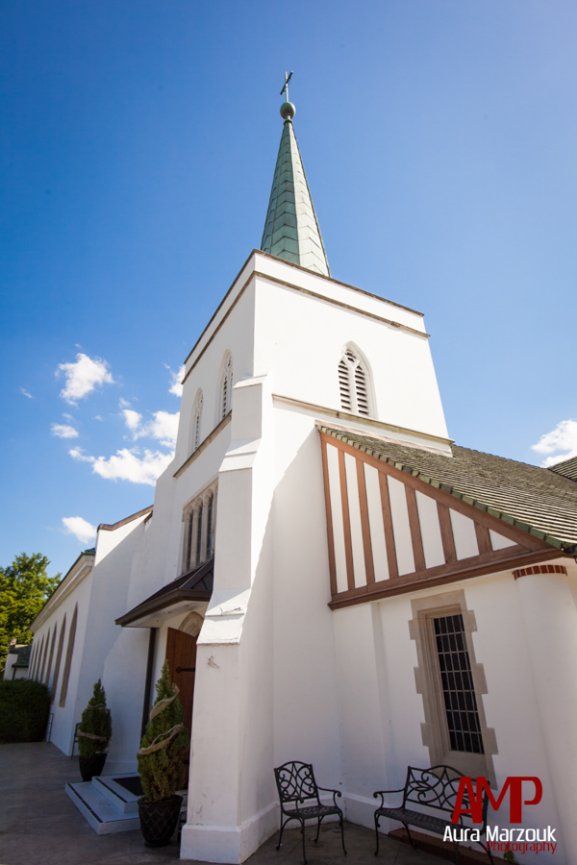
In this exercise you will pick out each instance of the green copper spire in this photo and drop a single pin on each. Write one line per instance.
(291, 230)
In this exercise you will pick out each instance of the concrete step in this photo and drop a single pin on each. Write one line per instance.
(117, 794)
(102, 811)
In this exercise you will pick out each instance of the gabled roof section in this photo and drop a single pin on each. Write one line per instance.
(533, 499)
(291, 229)
(567, 468)
(193, 586)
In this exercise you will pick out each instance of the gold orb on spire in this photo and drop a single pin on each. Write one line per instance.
(287, 111)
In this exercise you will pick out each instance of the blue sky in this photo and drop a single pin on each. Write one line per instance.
(440, 143)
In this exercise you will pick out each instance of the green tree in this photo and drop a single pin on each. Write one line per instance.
(24, 588)
(164, 743)
(95, 725)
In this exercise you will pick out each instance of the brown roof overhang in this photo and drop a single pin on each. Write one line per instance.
(196, 585)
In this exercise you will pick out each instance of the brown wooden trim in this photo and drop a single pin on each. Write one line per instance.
(256, 273)
(415, 526)
(329, 516)
(447, 536)
(539, 570)
(398, 325)
(318, 275)
(111, 527)
(415, 582)
(388, 524)
(477, 514)
(346, 523)
(204, 444)
(483, 539)
(365, 525)
(216, 312)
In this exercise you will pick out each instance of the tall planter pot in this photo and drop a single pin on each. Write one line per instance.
(159, 819)
(91, 766)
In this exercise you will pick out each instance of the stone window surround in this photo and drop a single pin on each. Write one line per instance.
(428, 683)
(199, 507)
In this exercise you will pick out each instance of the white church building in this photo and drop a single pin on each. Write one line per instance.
(331, 578)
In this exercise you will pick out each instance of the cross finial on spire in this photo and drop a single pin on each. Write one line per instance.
(287, 78)
(287, 109)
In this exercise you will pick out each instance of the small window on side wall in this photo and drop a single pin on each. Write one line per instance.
(353, 383)
(225, 394)
(197, 420)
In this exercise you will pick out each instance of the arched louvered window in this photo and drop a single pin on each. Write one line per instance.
(226, 388)
(353, 384)
(197, 420)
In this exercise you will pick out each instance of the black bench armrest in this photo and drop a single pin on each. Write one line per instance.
(383, 793)
(330, 790)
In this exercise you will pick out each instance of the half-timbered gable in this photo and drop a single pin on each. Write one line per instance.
(401, 518)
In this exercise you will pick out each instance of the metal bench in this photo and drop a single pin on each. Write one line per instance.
(299, 799)
(428, 795)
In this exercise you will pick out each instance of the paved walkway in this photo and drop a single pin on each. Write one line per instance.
(39, 825)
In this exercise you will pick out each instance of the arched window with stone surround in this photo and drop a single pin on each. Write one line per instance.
(225, 387)
(197, 420)
(354, 386)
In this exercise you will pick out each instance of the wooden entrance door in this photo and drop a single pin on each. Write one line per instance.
(181, 657)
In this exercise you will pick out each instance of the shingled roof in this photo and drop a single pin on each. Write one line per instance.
(537, 500)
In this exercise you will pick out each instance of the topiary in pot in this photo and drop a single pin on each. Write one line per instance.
(160, 764)
(94, 733)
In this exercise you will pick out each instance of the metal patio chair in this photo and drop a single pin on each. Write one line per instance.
(299, 800)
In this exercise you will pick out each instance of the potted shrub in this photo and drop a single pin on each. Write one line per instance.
(160, 764)
(94, 733)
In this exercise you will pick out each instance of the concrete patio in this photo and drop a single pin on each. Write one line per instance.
(40, 826)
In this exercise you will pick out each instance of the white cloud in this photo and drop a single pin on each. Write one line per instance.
(176, 381)
(560, 443)
(132, 419)
(26, 393)
(63, 431)
(162, 427)
(134, 465)
(79, 455)
(83, 376)
(80, 528)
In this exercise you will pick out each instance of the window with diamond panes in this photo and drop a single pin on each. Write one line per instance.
(457, 685)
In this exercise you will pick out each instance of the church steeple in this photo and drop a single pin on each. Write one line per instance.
(291, 230)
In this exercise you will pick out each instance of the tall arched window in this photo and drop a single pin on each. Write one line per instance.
(353, 383)
(59, 654)
(209, 519)
(225, 395)
(50, 658)
(197, 420)
(68, 661)
(198, 538)
(42, 667)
